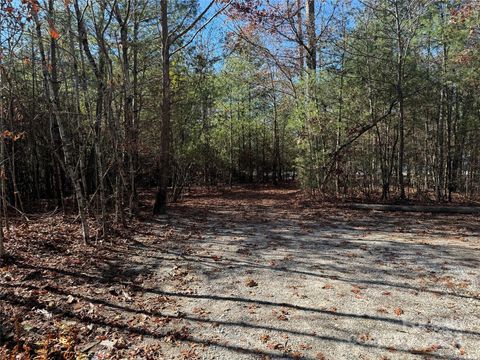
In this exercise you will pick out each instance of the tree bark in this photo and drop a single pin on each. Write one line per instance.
(400, 96)
(160, 206)
(311, 35)
(440, 173)
(67, 145)
(301, 48)
(2, 168)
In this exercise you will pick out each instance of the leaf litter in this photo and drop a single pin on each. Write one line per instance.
(328, 283)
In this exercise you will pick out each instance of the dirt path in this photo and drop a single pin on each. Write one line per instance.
(254, 274)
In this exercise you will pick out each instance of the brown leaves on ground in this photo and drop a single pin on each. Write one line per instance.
(56, 276)
(237, 196)
(296, 355)
(280, 315)
(430, 349)
(364, 337)
(398, 311)
(450, 282)
(264, 338)
(275, 346)
(250, 283)
(56, 285)
(189, 354)
(200, 311)
(304, 346)
(357, 291)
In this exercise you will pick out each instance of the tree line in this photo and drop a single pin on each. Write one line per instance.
(376, 98)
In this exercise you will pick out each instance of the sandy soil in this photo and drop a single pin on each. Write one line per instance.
(260, 275)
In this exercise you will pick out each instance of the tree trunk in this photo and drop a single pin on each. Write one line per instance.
(276, 135)
(99, 71)
(311, 35)
(128, 102)
(301, 47)
(160, 206)
(133, 201)
(401, 113)
(2, 168)
(440, 178)
(51, 89)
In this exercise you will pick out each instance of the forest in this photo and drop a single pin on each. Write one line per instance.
(239, 179)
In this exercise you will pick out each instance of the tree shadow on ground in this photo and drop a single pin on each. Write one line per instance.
(387, 251)
(65, 313)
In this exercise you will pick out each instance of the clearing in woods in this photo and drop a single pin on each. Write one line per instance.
(252, 274)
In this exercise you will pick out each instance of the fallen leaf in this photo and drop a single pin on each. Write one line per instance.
(126, 296)
(45, 313)
(264, 338)
(109, 344)
(296, 355)
(398, 311)
(427, 350)
(274, 346)
(356, 290)
(364, 337)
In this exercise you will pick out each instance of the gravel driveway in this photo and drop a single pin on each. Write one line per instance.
(252, 274)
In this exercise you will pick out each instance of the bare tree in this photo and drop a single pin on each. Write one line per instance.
(170, 37)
